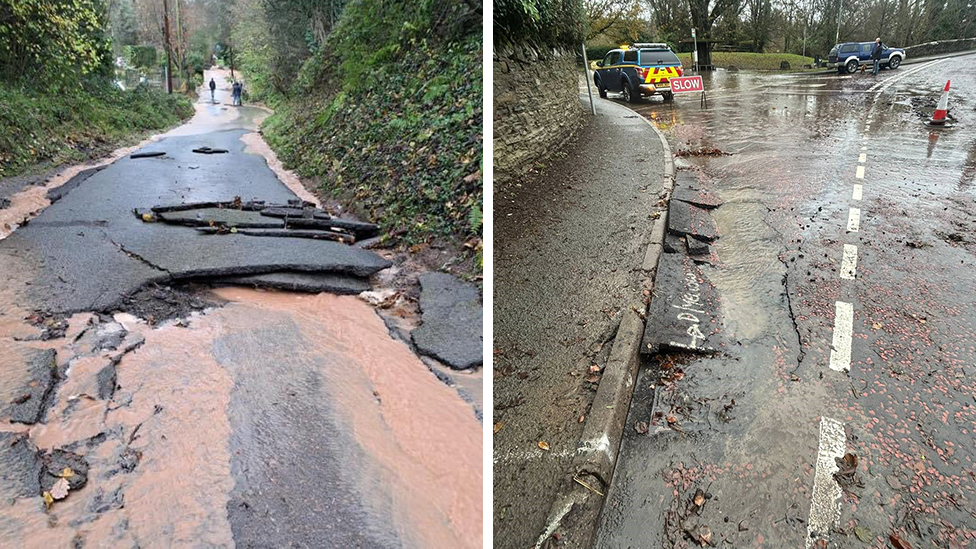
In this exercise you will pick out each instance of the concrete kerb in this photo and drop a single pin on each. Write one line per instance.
(577, 508)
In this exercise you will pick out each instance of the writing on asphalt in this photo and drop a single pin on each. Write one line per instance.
(690, 300)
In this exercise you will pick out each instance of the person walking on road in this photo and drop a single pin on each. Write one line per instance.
(235, 93)
(876, 55)
(213, 88)
(240, 94)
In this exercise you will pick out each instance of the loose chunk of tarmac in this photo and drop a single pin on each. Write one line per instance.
(57, 193)
(673, 244)
(20, 465)
(147, 154)
(697, 197)
(55, 464)
(683, 313)
(30, 404)
(696, 246)
(301, 282)
(285, 233)
(208, 150)
(228, 217)
(685, 219)
(451, 329)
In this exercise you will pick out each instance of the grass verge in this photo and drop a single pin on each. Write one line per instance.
(39, 128)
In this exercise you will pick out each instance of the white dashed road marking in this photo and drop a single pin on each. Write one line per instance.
(863, 158)
(840, 353)
(848, 264)
(825, 505)
(854, 220)
(858, 189)
(860, 172)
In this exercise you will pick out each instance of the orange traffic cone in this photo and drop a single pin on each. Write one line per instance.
(939, 117)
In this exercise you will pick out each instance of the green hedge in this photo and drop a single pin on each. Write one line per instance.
(38, 127)
(542, 23)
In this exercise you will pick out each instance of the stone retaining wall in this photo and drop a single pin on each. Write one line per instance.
(940, 46)
(536, 106)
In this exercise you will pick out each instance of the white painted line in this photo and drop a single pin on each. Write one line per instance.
(864, 148)
(854, 220)
(886, 83)
(848, 264)
(825, 502)
(840, 352)
(863, 158)
(860, 172)
(858, 188)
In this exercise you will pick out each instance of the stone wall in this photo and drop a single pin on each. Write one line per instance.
(536, 106)
(941, 46)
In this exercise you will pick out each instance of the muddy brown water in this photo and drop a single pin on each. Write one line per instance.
(273, 419)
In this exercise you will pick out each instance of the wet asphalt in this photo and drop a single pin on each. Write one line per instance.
(569, 241)
(750, 421)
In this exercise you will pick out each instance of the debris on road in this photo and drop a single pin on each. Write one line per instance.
(701, 151)
(451, 321)
(208, 150)
(684, 312)
(685, 219)
(147, 154)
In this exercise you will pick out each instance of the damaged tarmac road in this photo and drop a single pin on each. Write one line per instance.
(839, 410)
(187, 383)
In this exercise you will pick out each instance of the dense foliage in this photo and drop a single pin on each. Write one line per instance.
(53, 42)
(38, 126)
(542, 23)
(385, 111)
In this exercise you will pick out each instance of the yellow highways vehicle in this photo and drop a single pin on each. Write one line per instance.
(637, 70)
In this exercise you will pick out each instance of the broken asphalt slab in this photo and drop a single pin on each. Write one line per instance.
(29, 406)
(684, 311)
(87, 251)
(452, 325)
(301, 282)
(685, 219)
(57, 193)
(20, 466)
(696, 197)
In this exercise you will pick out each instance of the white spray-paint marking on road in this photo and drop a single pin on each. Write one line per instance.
(840, 353)
(854, 220)
(858, 189)
(863, 158)
(848, 264)
(860, 172)
(825, 502)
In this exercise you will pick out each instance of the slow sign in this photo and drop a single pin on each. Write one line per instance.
(686, 84)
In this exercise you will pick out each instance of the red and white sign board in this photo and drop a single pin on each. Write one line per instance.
(686, 84)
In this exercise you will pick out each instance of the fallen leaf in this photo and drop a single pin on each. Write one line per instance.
(876, 326)
(581, 418)
(699, 497)
(863, 534)
(498, 427)
(672, 420)
(48, 500)
(544, 445)
(60, 489)
(704, 536)
(67, 473)
(594, 369)
(593, 379)
(898, 542)
(641, 427)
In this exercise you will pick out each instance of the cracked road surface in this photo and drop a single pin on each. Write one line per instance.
(222, 417)
(844, 269)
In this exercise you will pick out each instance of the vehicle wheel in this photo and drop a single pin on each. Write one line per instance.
(627, 92)
(894, 61)
(603, 91)
(668, 97)
(852, 66)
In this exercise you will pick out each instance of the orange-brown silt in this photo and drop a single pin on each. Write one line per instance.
(301, 406)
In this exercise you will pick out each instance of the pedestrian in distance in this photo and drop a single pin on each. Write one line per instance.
(876, 55)
(240, 94)
(235, 93)
(213, 88)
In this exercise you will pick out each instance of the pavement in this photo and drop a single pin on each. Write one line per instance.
(839, 408)
(191, 409)
(570, 246)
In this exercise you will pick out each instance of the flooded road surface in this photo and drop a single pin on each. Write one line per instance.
(841, 411)
(240, 417)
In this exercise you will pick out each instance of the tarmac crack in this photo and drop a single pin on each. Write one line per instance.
(135, 255)
(796, 327)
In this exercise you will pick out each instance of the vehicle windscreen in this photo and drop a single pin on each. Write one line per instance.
(650, 58)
